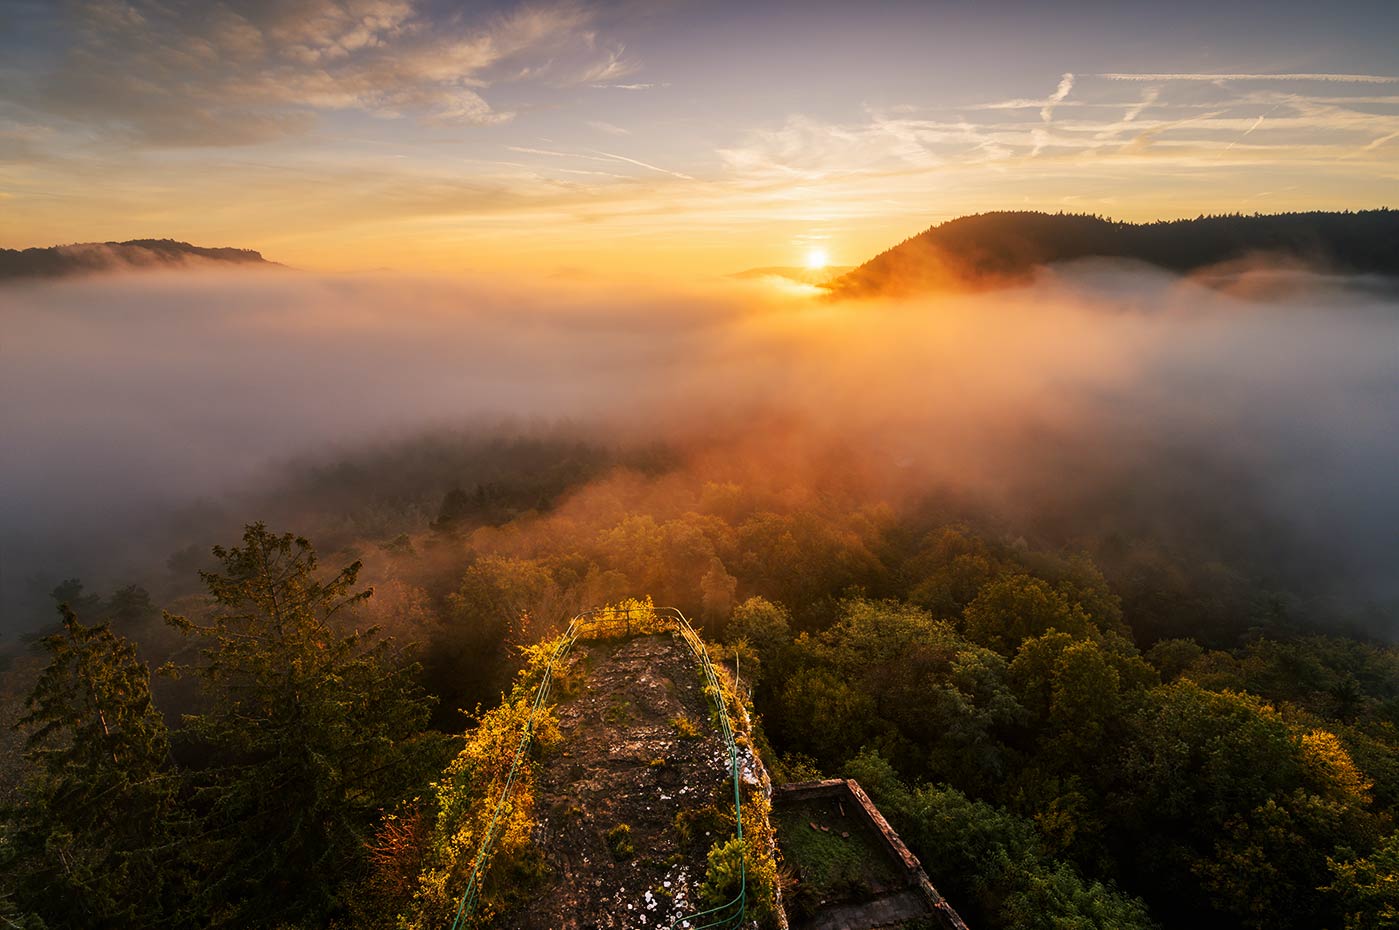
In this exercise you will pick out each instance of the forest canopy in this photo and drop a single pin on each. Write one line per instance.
(997, 249)
(1050, 734)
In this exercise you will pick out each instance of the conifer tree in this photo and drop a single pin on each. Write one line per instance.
(88, 846)
(310, 730)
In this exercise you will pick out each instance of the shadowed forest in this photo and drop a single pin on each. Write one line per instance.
(1129, 738)
(1000, 249)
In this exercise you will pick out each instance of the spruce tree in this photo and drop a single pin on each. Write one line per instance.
(88, 846)
(310, 729)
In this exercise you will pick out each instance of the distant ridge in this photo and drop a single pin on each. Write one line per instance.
(997, 249)
(90, 257)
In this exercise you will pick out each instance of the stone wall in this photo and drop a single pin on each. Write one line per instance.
(879, 912)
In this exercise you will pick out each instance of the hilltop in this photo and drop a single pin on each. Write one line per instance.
(630, 805)
(620, 808)
(135, 254)
(990, 250)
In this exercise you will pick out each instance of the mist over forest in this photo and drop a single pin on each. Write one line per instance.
(1086, 577)
(1238, 422)
(578, 465)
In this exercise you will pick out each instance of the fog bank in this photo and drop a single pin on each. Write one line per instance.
(1266, 404)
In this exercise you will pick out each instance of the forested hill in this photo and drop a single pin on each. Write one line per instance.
(88, 257)
(994, 249)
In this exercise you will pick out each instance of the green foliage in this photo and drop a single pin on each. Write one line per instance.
(735, 865)
(309, 731)
(759, 841)
(836, 865)
(949, 570)
(989, 863)
(717, 819)
(1368, 887)
(463, 803)
(498, 603)
(90, 842)
(1258, 787)
(889, 675)
(1015, 608)
(1173, 657)
(761, 633)
(619, 842)
(723, 876)
(1230, 805)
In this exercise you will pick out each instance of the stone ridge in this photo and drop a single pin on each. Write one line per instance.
(639, 766)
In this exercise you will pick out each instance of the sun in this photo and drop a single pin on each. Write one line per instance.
(816, 259)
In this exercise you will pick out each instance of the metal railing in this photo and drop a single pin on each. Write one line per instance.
(605, 623)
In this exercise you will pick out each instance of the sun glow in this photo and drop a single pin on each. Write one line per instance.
(816, 259)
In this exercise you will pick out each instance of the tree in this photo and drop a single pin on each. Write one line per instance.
(87, 849)
(887, 674)
(950, 569)
(309, 731)
(991, 864)
(1367, 888)
(1222, 808)
(1015, 608)
(762, 632)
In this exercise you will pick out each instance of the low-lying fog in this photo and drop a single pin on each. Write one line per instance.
(127, 397)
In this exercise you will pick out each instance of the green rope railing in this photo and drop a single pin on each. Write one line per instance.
(599, 623)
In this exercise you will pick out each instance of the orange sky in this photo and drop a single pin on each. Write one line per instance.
(670, 140)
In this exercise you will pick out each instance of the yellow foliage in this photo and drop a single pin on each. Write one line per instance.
(467, 801)
(628, 618)
(1331, 767)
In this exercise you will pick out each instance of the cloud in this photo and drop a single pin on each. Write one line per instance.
(614, 66)
(595, 155)
(1247, 132)
(1190, 126)
(1324, 78)
(1040, 137)
(1135, 110)
(1066, 84)
(1371, 146)
(181, 72)
(602, 126)
(646, 165)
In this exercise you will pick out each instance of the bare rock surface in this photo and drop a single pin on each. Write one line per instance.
(640, 752)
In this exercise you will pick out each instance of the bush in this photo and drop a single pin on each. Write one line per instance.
(619, 842)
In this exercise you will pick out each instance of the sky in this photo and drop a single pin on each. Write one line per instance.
(664, 139)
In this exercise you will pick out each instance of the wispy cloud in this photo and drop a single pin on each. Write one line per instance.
(613, 66)
(1100, 139)
(1370, 147)
(186, 72)
(650, 167)
(609, 128)
(1326, 78)
(1066, 84)
(1040, 137)
(1135, 110)
(595, 155)
(1247, 132)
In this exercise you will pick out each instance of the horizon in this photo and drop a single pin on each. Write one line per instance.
(816, 259)
(628, 140)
